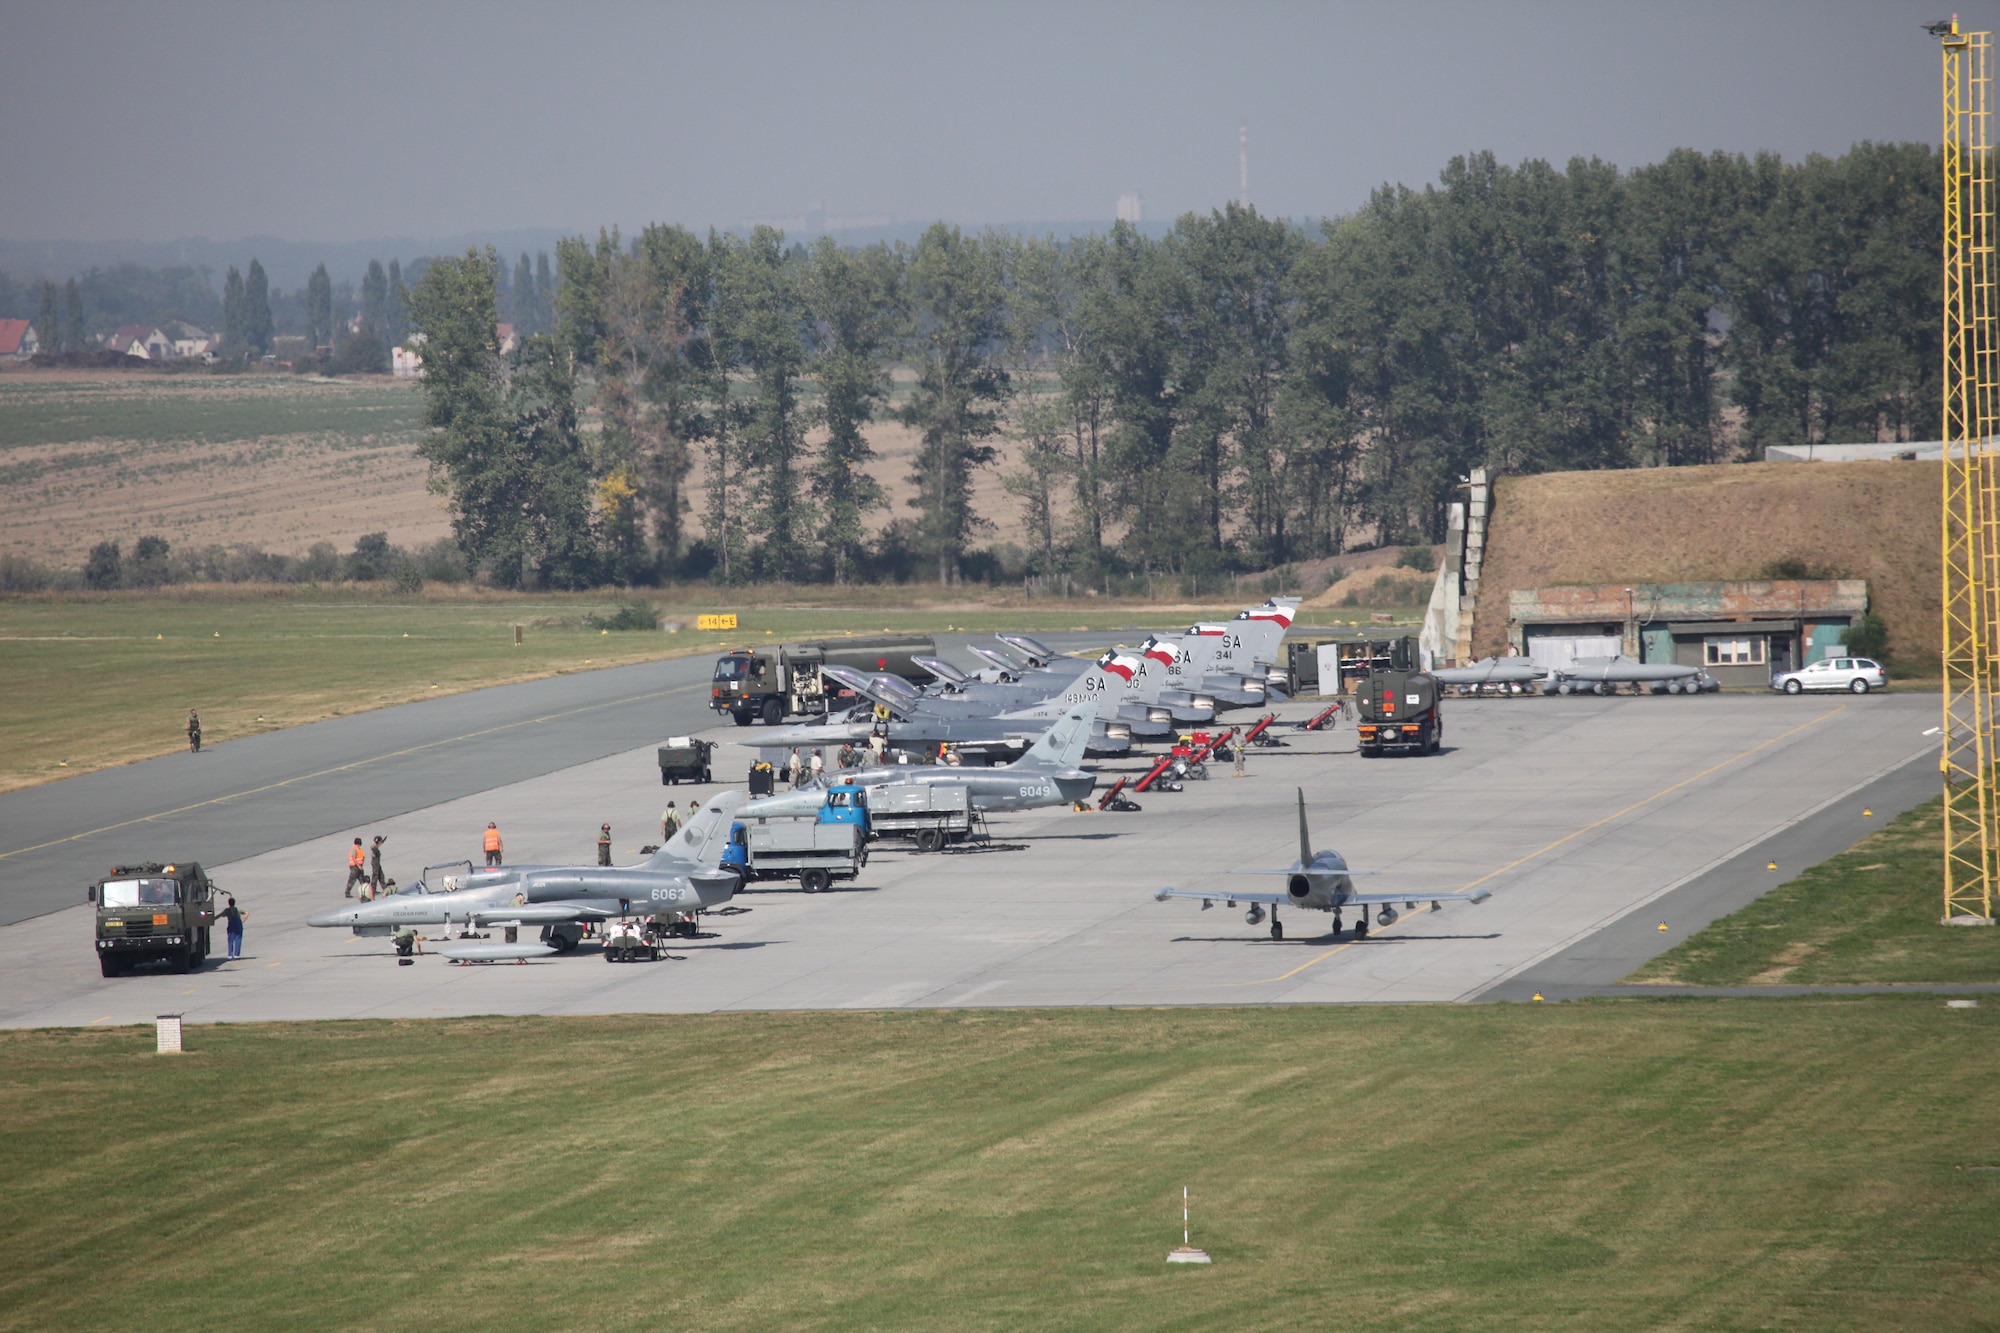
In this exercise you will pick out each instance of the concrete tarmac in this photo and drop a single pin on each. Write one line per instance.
(1588, 819)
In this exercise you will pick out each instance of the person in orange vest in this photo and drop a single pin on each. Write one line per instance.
(492, 844)
(357, 867)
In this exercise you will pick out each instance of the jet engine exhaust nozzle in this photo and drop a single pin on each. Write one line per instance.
(1298, 886)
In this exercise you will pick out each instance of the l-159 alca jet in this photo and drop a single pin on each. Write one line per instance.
(672, 886)
(1046, 775)
(1322, 882)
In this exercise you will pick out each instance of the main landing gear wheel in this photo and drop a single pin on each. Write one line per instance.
(1277, 929)
(1793, 687)
(1361, 925)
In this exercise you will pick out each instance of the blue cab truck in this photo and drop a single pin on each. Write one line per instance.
(815, 849)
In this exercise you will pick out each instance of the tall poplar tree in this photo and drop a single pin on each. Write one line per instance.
(257, 309)
(958, 292)
(232, 314)
(319, 308)
(72, 335)
(854, 306)
(375, 302)
(48, 321)
(521, 301)
(396, 313)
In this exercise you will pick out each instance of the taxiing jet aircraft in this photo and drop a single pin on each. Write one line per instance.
(1322, 882)
(673, 885)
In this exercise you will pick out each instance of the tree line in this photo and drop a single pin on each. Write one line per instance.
(1237, 394)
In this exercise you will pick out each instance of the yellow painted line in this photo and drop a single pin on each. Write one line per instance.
(1567, 837)
(95, 1021)
(274, 964)
(342, 768)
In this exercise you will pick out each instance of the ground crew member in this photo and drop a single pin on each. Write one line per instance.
(357, 868)
(670, 823)
(492, 843)
(794, 767)
(376, 880)
(233, 927)
(604, 845)
(818, 763)
(1240, 748)
(194, 732)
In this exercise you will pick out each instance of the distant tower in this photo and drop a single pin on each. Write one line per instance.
(1131, 208)
(1243, 164)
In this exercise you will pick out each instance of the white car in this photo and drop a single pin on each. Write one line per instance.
(1858, 674)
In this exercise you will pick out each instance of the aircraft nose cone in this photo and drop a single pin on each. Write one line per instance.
(337, 916)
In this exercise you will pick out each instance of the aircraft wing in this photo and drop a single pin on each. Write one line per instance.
(1476, 896)
(1210, 896)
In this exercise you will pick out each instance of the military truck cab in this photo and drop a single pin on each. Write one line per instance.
(816, 850)
(153, 911)
(783, 680)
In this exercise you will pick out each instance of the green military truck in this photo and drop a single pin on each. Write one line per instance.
(782, 680)
(1397, 704)
(152, 911)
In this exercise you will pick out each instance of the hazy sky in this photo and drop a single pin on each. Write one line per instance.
(343, 121)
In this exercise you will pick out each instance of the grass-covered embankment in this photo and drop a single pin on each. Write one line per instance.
(1868, 915)
(1627, 1165)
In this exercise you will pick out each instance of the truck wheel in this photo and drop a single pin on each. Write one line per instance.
(109, 965)
(774, 712)
(742, 718)
(814, 881)
(928, 840)
(706, 778)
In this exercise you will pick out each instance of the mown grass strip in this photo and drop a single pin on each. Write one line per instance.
(1867, 915)
(1588, 1166)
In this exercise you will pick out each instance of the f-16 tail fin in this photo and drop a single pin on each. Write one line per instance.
(698, 846)
(1062, 745)
(1305, 839)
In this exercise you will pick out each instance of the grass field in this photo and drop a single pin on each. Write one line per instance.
(276, 462)
(1867, 915)
(100, 680)
(1733, 1165)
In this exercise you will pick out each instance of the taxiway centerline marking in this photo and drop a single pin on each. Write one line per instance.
(1567, 837)
(342, 768)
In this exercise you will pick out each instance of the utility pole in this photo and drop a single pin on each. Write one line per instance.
(1243, 165)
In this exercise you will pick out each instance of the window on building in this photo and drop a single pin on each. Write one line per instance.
(1746, 651)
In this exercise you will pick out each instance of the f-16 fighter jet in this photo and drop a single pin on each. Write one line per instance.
(1603, 675)
(1322, 882)
(1504, 671)
(672, 887)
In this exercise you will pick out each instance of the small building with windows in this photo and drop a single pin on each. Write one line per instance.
(1742, 632)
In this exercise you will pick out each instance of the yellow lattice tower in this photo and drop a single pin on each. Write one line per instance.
(1971, 508)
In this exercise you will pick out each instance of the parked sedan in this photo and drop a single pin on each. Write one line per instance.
(1857, 674)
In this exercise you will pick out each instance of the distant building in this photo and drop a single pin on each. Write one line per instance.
(142, 341)
(17, 339)
(406, 360)
(1131, 208)
(186, 341)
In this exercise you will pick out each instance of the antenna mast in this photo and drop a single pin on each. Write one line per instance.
(1243, 165)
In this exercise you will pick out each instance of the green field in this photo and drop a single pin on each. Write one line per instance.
(1810, 1163)
(1867, 915)
(100, 680)
(211, 408)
